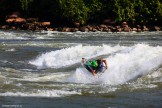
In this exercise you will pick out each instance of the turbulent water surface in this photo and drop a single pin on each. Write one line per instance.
(43, 70)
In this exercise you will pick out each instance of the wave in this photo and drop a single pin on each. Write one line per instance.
(125, 62)
(41, 93)
(69, 56)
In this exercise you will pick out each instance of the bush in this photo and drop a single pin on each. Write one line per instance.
(83, 11)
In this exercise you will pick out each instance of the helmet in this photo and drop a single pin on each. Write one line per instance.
(94, 63)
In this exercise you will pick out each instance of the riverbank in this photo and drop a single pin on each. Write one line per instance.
(18, 23)
(71, 16)
(39, 26)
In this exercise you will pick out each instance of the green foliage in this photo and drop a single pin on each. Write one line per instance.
(94, 9)
(142, 11)
(134, 11)
(79, 10)
(25, 4)
(74, 10)
(124, 9)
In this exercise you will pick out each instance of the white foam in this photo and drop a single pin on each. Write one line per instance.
(10, 50)
(125, 62)
(57, 77)
(82, 76)
(129, 65)
(140, 61)
(41, 93)
(13, 35)
(70, 56)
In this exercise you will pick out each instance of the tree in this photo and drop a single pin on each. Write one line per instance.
(74, 10)
(124, 10)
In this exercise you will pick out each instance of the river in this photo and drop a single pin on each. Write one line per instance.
(43, 70)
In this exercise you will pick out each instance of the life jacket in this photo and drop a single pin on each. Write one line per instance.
(93, 64)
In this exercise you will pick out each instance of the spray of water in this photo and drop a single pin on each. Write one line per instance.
(125, 62)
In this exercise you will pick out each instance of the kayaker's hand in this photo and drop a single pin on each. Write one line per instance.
(93, 73)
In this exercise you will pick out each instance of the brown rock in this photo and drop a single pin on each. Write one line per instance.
(24, 26)
(46, 23)
(139, 30)
(107, 30)
(32, 27)
(20, 20)
(43, 25)
(126, 26)
(10, 20)
(50, 29)
(31, 20)
(119, 29)
(134, 29)
(98, 28)
(145, 28)
(157, 28)
(111, 27)
(84, 29)
(90, 28)
(13, 15)
(4, 27)
(124, 23)
(74, 29)
(94, 30)
(66, 30)
(103, 26)
(127, 29)
(13, 28)
(16, 20)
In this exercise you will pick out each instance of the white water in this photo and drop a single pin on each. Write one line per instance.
(125, 62)
(69, 56)
(132, 66)
(41, 93)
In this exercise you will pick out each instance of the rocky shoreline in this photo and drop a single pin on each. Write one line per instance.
(14, 22)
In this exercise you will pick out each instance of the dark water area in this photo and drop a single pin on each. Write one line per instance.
(115, 100)
(43, 70)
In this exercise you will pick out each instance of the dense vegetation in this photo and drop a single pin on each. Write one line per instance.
(86, 11)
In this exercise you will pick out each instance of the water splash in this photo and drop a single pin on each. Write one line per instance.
(69, 56)
(125, 62)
